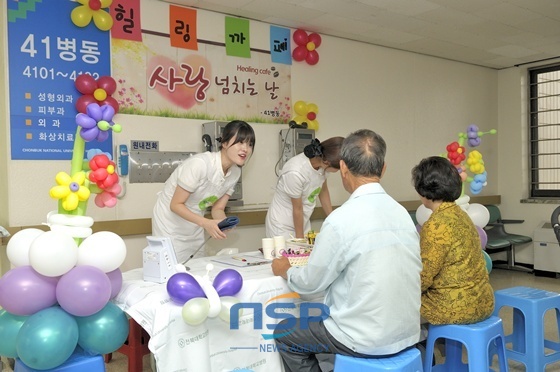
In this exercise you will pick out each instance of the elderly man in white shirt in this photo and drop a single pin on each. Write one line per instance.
(367, 260)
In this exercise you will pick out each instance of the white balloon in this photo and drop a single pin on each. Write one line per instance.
(53, 253)
(19, 244)
(227, 303)
(478, 214)
(104, 250)
(422, 214)
(463, 202)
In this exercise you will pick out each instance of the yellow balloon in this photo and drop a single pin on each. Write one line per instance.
(59, 192)
(313, 108)
(195, 311)
(70, 202)
(313, 124)
(81, 16)
(63, 178)
(300, 108)
(100, 94)
(103, 20)
(300, 119)
(83, 193)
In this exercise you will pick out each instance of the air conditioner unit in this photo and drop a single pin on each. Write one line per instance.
(546, 249)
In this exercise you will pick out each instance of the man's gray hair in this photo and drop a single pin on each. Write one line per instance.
(364, 153)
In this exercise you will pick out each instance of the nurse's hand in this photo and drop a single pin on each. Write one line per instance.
(280, 267)
(211, 227)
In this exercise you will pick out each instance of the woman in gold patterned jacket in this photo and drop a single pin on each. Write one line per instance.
(455, 283)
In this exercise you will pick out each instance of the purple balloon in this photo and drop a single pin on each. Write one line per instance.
(116, 279)
(418, 228)
(182, 287)
(228, 282)
(483, 237)
(83, 291)
(23, 291)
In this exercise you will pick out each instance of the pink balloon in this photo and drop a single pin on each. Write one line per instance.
(107, 83)
(299, 53)
(483, 236)
(300, 37)
(315, 39)
(83, 291)
(85, 84)
(116, 279)
(23, 291)
(312, 57)
(182, 287)
(228, 282)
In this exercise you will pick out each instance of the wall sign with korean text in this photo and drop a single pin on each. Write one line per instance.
(46, 53)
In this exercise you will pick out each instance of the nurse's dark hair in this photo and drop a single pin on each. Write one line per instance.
(239, 129)
(363, 152)
(435, 178)
(328, 150)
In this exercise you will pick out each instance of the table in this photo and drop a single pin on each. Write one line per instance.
(211, 346)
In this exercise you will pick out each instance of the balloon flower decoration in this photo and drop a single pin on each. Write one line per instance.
(306, 113)
(57, 295)
(92, 9)
(306, 47)
(467, 162)
(202, 299)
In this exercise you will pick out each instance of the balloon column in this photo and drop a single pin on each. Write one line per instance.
(306, 113)
(306, 47)
(457, 155)
(57, 296)
(202, 299)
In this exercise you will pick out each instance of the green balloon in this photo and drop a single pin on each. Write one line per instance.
(10, 325)
(195, 311)
(103, 332)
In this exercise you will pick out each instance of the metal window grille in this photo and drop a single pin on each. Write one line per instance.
(544, 103)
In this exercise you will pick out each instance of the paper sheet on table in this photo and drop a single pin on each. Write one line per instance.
(241, 260)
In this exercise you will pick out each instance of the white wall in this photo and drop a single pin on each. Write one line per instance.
(419, 104)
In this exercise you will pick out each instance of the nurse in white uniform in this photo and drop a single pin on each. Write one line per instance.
(302, 180)
(203, 180)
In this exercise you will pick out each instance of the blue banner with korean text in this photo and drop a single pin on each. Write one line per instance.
(280, 47)
(46, 52)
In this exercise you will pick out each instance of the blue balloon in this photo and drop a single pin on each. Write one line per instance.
(10, 325)
(103, 332)
(47, 338)
(488, 261)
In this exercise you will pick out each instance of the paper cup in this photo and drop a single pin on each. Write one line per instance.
(268, 248)
(279, 245)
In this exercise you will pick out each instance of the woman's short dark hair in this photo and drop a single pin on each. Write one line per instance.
(435, 178)
(363, 153)
(241, 129)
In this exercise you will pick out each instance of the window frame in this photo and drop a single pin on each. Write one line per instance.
(536, 139)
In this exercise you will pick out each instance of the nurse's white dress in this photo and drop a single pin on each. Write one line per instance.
(203, 177)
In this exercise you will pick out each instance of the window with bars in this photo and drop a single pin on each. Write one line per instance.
(544, 103)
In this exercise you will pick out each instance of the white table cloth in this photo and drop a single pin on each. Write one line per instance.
(211, 346)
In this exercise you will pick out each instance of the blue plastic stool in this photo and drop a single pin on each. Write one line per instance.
(482, 340)
(527, 340)
(408, 360)
(77, 362)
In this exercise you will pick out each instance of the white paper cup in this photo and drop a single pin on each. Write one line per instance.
(279, 245)
(268, 248)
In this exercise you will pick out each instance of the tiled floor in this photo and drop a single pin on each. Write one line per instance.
(500, 279)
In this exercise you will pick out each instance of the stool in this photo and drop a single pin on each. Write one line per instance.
(77, 362)
(408, 360)
(481, 340)
(135, 346)
(528, 343)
